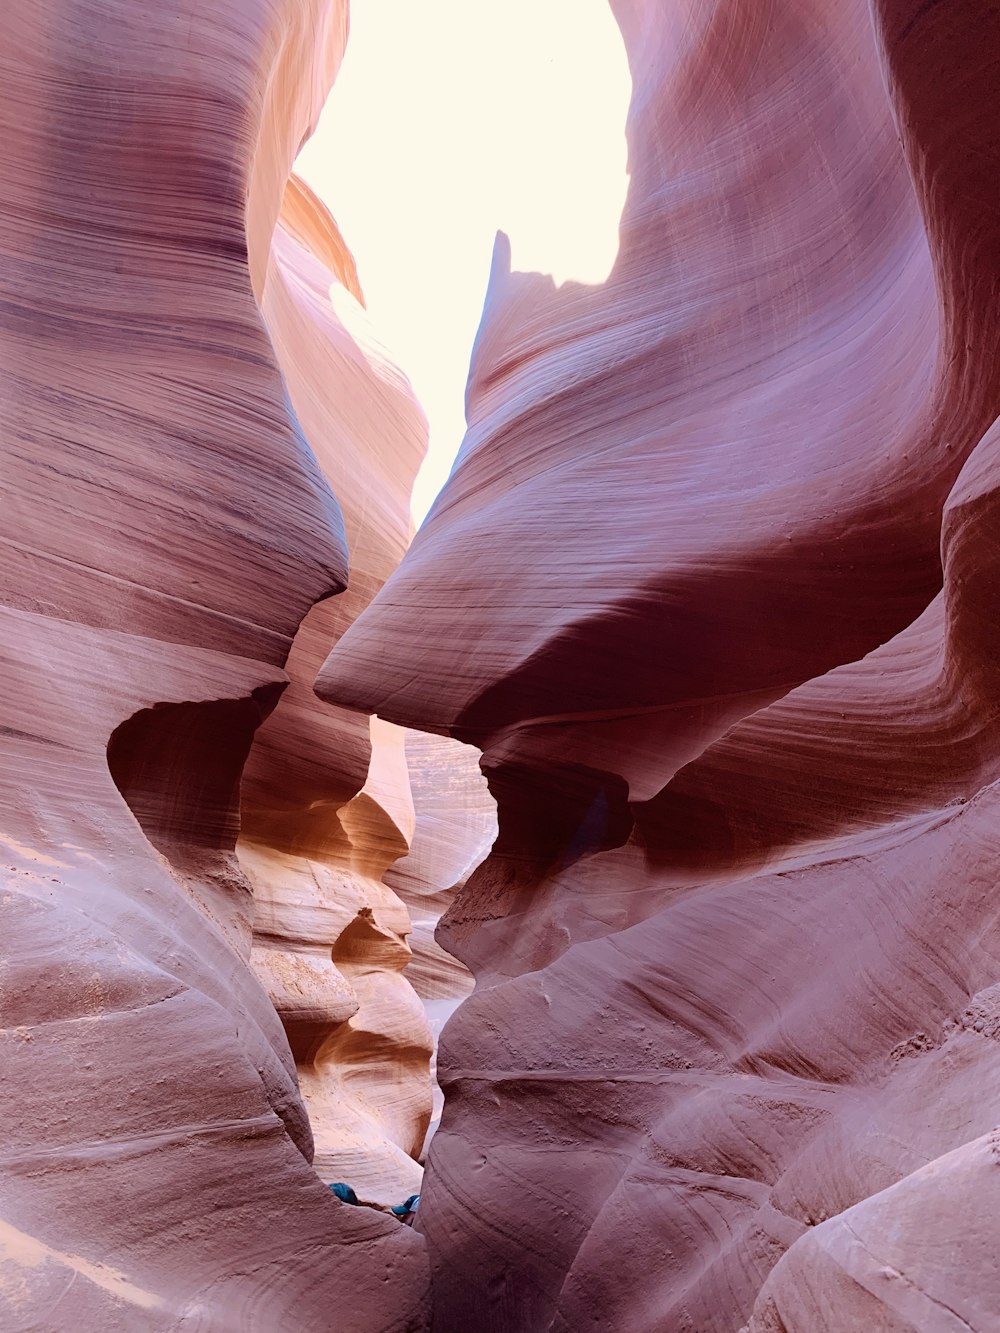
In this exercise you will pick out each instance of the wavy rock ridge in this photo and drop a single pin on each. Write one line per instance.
(712, 588)
(169, 539)
(326, 802)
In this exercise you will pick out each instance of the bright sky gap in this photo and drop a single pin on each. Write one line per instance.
(451, 120)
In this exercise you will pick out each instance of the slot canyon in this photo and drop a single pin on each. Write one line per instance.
(608, 861)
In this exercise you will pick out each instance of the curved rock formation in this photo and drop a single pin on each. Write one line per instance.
(711, 587)
(166, 529)
(455, 827)
(326, 798)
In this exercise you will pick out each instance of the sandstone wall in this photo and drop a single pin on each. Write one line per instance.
(166, 529)
(455, 827)
(713, 589)
(326, 800)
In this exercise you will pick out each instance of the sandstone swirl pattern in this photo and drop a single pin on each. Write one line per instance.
(326, 801)
(713, 587)
(166, 528)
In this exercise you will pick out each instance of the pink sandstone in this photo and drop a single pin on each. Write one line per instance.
(166, 531)
(712, 587)
(326, 802)
(455, 827)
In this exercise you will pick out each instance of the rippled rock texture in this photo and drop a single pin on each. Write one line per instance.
(326, 801)
(166, 531)
(713, 587)
(455, 827)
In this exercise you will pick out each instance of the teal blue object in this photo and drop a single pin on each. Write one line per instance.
(404, 1209)
(344, 1192)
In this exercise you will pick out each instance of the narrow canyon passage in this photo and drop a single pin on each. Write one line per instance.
(660, 762)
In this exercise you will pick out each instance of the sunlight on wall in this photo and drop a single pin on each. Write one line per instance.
(452, 119)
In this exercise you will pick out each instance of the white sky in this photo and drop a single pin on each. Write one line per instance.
(450, 120)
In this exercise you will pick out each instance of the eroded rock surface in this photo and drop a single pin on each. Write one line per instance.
(166, 528)
(712, 587)
(455, 827)
(326, 795)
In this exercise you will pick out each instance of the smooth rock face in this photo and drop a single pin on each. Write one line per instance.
(326, 802)
(455, 827)
(165, 530)
(713, 589)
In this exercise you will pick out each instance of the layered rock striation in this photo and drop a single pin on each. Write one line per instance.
(326, 802)
(455, 825)
(711, 588)
(167, 530)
